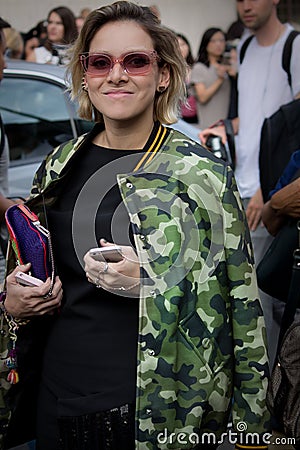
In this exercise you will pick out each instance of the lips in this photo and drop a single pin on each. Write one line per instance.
(248, 19)
(117, 94)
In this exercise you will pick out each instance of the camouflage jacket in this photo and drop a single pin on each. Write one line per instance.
(201, 347)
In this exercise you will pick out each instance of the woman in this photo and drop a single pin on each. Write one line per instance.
(61, 32)
(156, 346)
(189, 108)
(14, 42)
(210, 78)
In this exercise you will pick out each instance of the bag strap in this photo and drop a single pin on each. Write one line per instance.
(287, 53)
(244, 47)
(230, 140)
(2, 136)
(293, 301)
(31, 215)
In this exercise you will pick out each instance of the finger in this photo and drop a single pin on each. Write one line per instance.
(105, 243)
(22, 268)
(49, 304)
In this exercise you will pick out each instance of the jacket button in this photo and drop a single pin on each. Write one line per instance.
(151, 352)
(206, 343)
(148, 411)
(153, 294)
(129, 185)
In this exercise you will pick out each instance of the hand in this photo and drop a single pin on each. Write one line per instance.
(254, 210)
(221, 70)
(25, 302)
(121, 277)
(286, 201)
(216, 131)
(272, 220)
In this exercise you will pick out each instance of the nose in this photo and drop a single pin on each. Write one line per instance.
(246, 4)
(117, 73)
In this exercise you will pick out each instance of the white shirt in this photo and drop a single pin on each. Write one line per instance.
(43, 56)
(263, 87)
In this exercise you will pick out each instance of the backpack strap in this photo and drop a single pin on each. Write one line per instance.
(244, 47)
(287, 53)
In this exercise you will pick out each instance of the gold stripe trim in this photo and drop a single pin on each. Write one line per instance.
(145, 156)
(157, 147)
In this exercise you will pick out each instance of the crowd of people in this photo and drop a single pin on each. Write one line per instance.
(173, 338)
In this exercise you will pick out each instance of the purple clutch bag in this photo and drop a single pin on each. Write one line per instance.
(31, 242)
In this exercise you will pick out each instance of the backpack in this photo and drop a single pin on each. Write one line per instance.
(280, 133)
(283, 398)
(280, 137)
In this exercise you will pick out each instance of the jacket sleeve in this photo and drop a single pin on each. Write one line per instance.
(250, 414)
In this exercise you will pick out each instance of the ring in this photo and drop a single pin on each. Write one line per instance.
(105, 268)
(97, 283)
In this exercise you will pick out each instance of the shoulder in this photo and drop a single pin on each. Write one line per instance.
(296, 39)
(52, 166)
(191, 160)
(41, 52)
(199, 68)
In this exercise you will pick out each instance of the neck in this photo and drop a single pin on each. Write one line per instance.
(213, 60)
(124, 136)
(270, 33)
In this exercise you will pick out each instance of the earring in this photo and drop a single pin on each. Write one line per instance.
(83, 85)
(161, 89)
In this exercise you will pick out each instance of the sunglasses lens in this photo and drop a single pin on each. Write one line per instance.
(137, 63)
(98, 64)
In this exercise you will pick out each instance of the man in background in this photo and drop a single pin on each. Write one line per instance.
(262, 88)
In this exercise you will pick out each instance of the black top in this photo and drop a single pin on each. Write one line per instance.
(90, 357)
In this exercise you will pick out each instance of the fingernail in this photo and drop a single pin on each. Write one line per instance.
(103, 240)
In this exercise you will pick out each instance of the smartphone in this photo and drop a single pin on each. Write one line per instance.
(112, 253)
(27, 280)
(226, 59)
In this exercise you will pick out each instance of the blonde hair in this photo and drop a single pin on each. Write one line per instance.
(14, 42)
(166, 104)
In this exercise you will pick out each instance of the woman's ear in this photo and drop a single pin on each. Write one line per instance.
(84, 84)
(164, 78)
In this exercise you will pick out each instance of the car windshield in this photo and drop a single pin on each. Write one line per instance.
(36, 117)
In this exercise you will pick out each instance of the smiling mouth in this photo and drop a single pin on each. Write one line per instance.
(117, 93)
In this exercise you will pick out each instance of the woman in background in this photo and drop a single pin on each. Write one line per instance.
(210, 79)
(189, 107)
(61, 32)
(14, 43)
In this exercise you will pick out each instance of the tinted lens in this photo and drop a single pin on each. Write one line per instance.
(98, 64)
(137, 63)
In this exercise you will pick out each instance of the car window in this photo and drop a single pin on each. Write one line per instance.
(36, 118)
